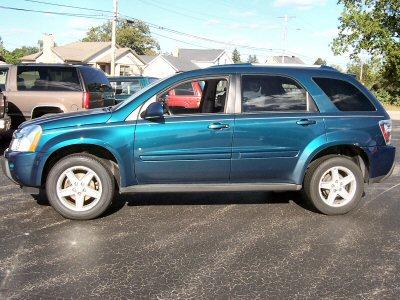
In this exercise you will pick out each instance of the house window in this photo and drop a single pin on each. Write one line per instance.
(124, 71)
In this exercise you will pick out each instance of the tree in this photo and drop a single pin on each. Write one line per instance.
(236, 56)
(132, 34)
(14, 57)
(252, 59)
(373, 26)
(320, 61)
(370, 71)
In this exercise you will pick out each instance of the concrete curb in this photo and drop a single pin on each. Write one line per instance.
(394, 115)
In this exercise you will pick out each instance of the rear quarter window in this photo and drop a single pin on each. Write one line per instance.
(344, 95)
(95, 80)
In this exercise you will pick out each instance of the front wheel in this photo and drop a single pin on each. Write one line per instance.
(80, 187)
(334, 185)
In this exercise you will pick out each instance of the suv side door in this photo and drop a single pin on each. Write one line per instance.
(277, 118)
(187, 146)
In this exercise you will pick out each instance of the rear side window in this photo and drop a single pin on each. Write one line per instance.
(95, 80)
(42, 78)
(185, 89)
(3, 79)
(344, 95)
(274, 94)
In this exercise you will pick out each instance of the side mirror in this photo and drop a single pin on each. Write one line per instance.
(154, 111)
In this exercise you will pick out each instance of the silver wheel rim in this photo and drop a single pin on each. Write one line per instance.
(79, 188)
(337, 186)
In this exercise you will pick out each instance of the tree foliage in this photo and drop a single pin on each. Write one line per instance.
(14, 57)
(320, 61)
(373, 26)
(252, 59)
(133, 34)
(236, 56)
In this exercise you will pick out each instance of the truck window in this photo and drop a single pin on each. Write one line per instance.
(44, 78)
(95, 80)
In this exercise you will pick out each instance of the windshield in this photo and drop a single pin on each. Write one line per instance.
(138, 93)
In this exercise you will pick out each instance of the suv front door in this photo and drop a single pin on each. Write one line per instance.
(277, 120)
(187, 146)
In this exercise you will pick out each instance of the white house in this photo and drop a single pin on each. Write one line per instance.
(283, 59)
(184, 60)
(96, 54)
(165, 65)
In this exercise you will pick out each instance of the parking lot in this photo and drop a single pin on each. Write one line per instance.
(234, 245)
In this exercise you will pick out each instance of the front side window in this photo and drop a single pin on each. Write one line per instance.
(266, 93)
(196, 97)
(344, 95)
(39, 78)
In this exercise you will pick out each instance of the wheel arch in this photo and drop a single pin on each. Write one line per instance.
(354, 152)
(106, 156)
(49, 107)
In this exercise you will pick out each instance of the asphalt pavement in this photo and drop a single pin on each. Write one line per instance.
(214, 246)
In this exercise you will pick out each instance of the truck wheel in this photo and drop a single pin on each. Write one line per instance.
(80, 187)
(334, 185)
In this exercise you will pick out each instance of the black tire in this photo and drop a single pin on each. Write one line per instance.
(88, 161)
(314, 174)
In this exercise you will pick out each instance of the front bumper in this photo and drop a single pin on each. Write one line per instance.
(22, 168)
(5, 124)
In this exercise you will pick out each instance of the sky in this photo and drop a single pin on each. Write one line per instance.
(246, 25)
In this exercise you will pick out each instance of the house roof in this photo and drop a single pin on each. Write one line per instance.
(286, 60)
(77, 52)
(118, 54)
(200, 54)
(180, 64)
(147, 58)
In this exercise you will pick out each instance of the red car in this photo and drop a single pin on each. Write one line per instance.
(187, 95)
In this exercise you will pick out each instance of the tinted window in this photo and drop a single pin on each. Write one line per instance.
(185, 89)
(42, 78)
(344, 95)
(95, 80)
(274, 93)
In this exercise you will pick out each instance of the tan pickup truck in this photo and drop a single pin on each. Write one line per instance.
(34, 90)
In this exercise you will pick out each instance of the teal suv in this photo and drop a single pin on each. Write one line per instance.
(257, 128)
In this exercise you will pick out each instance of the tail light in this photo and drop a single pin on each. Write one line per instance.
(386, 129)
(2, 105)
(86, 100)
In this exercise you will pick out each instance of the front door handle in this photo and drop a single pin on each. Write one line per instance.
(306, 122)
(218, 126)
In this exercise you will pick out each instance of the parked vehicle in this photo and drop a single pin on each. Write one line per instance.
(185, 96)
(34, 90)
(125, 86)
(257, 128)
(5, 121)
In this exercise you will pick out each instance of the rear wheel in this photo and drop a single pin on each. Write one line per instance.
(80, 187)
(334, 185)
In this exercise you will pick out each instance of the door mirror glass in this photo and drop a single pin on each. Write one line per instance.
(154, 111)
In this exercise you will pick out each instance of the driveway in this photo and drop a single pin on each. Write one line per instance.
(235, 245)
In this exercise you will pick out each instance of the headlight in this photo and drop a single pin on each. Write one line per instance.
(26, 139)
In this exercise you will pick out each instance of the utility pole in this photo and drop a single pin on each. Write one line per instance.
(361, 70)
(113, 37)
(285, 34)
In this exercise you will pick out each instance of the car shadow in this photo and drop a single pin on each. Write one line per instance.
(220, 198)
(5, 139)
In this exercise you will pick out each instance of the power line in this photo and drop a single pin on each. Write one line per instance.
(68, 6)
(54, 12)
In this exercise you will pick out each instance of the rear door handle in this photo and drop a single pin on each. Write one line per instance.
(218, 126)
(306, 122)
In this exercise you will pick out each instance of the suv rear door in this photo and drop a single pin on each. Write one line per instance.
(277, 120)
(99, 92)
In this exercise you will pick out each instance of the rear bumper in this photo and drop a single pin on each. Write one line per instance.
(382, 162)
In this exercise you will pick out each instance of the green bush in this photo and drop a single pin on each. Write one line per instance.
(386, 98)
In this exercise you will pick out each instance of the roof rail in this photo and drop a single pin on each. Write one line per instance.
(276, 65)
